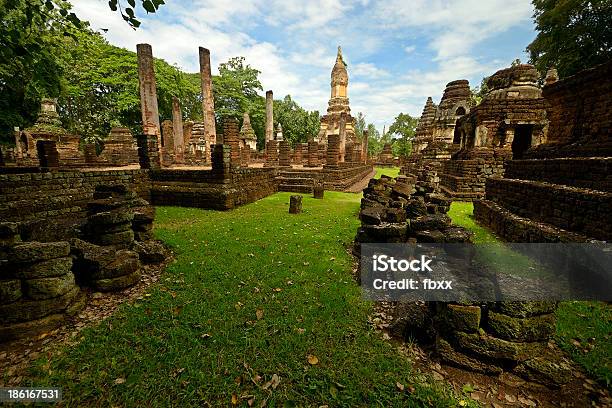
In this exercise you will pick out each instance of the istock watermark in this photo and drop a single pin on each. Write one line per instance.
(488, 272)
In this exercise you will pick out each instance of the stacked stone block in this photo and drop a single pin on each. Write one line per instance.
(221, 164)
(284, 154)
(148, 152)
(271, 154)
(322, 154)
(489, 337)
(313, 154)
(333, 151)
(231, 139)
(37, 286)
(295, 204)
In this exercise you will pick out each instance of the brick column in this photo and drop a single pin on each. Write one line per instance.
(208, 102)
(177, 126)
(148, 91)
(271, 153)
(313, 154)
(364, 147)
(342, 138)
(333, 151)
(269, 116)
(284, 154)
(148, 152)
(221, 161)
(322, 154)
(230, 136)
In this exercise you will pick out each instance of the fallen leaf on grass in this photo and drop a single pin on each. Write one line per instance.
(119, 380)
(206, 336)
(399, 386)
(272, 383)
(277, 290)
(259, 313)
(234, 399)
(312, 359)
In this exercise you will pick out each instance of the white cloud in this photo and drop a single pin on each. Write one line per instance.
(293, 44)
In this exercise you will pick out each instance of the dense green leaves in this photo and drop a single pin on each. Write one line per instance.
(299, 125)
(572, 35)
(403, 127)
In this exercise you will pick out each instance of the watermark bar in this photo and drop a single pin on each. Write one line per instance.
(21, 394)
(486, 272)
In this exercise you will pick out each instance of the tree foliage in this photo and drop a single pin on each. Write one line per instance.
(572, 35)
(299, 125)
(360, 125)
(103, 91)
(404, 127)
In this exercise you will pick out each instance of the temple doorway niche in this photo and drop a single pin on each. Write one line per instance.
(460, 111)
(522, 140)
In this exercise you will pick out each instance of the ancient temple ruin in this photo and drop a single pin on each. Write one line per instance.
(559, 191)
(437, 135)
(338, 106)
(510, 119)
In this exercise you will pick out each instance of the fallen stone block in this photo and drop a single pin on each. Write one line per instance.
(46, 288)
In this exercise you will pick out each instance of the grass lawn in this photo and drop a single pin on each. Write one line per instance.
(584, 329)
(259, 304)
(387, 171)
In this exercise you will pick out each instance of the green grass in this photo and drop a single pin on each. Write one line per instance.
(461, 214)
(387, 171)
(197, 339)
(584, 329)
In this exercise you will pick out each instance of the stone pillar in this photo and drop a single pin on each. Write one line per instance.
(148, 91)
(271, 153)
(322, 154)
(348, 152)
(284, 154)
(48, 155)
(342, 137)
(221, 161)
(230, 136)
(89, 152)
(177, 126)
(313, 154)
(148, 152)
(269, 116)
(364, 147)
(18, 151)
(333, 151)
(295, 204)
(167, 136)
(304, 147)
(208, 102)
(297, 154)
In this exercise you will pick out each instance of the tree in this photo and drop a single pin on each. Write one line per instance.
(375, 145)
(299, 125)
(404, 126)
(360, 125)
(102, 90)
(30, 41)
(572, 35)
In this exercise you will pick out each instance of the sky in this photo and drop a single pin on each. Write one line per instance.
(398, 52)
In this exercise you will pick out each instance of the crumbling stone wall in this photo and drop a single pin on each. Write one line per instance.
(580, 114)
(569, 208)
(209, 189)
(489, 337)
(52, 205)
(560, 190)
(40, 281)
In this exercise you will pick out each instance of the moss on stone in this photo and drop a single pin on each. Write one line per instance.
(536, 328)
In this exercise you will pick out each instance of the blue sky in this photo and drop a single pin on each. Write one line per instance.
(399, 52)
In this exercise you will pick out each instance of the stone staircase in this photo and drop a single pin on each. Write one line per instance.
(550, 200)
(296, 181)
